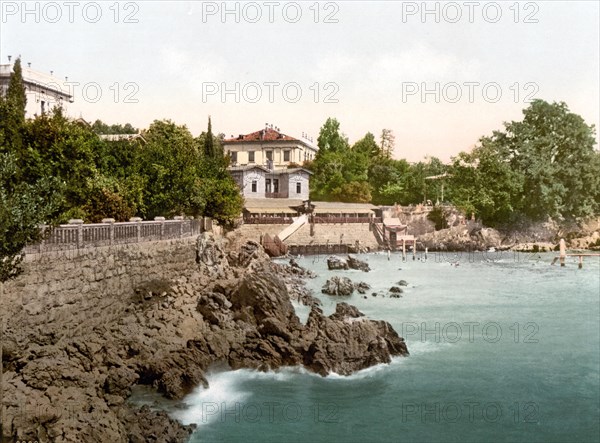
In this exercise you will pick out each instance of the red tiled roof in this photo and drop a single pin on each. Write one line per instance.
(267, 134)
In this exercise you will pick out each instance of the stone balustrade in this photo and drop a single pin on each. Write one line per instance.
(77, 235)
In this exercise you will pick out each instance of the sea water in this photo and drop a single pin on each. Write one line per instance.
(503, 347)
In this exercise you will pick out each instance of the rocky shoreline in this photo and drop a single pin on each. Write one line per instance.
(234, 309)
(539, 237)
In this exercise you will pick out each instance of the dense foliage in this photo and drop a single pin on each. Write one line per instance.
(25, 202)
(366, 171)
(542, 166)
(53, 168)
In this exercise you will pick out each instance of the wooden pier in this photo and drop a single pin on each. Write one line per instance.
(563, 255)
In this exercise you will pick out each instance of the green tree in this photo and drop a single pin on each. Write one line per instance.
(25, 202)
(23, 208)
(367, 146)
(337, 168)
(544, 165)
(55, 146)
(389, 180)
(330, 138)
(222, 197)
(169, 165)
(99, 127)
(554, 149)
(209, 143)
(483, 182)
(12, 110)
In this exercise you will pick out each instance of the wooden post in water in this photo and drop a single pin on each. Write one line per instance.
(563, 251)
(425, 253)
(580, 261)
(403, 250)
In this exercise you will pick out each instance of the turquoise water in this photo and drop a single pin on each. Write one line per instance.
(504, 348)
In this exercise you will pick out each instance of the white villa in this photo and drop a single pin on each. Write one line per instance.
(263, 164)
(269, 148)
(260, 182)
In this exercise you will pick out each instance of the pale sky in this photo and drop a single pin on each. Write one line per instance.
(374, 60)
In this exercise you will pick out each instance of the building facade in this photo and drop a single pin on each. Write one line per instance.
(260, 182)
(43, 91)
(269, 148)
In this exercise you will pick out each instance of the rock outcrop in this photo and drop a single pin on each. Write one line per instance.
(338, 286)
(336, 263)
(71, 385)
(354, 263)
(462, 238)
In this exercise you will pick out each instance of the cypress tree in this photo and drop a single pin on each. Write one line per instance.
(209, 148)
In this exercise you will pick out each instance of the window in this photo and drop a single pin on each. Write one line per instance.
(286, 156)
(250, 156)
(269, 155)
(268, 185)
(254, 186)
(298, 188)
(275, 185)
(233, 156)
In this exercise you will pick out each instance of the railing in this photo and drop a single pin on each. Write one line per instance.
(378, 231)
(276, 195)
(79, 235)
(268, 220)
(287, 220)
(343, 219)
(321, 249)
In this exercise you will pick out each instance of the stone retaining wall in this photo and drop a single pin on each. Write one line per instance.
(347, 233)
(67, 285)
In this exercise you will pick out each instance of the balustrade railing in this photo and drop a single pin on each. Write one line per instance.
(79, 235)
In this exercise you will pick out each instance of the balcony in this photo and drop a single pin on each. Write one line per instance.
(276, 195)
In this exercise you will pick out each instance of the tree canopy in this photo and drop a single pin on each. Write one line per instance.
(53, 168)
(543, 166)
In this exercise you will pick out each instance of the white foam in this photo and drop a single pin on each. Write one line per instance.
(204, 405)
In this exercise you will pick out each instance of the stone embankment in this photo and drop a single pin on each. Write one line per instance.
(323, 233)
(82, 330)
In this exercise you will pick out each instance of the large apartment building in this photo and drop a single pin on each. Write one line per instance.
(43, 91)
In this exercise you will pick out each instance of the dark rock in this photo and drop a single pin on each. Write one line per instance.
(233, 308)
(396, 290)
(119, 381)
(336, 263)
(346, 342)
(344, 310)
(338, 286)
(144, 425)
(354, 263)
(402, 283)
(362, 287)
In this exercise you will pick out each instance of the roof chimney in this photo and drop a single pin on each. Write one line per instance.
(9, 57)
(29, 64)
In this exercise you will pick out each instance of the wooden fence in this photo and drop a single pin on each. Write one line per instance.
(77, 236)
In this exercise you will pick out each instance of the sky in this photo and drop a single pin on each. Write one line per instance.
(439, 74)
